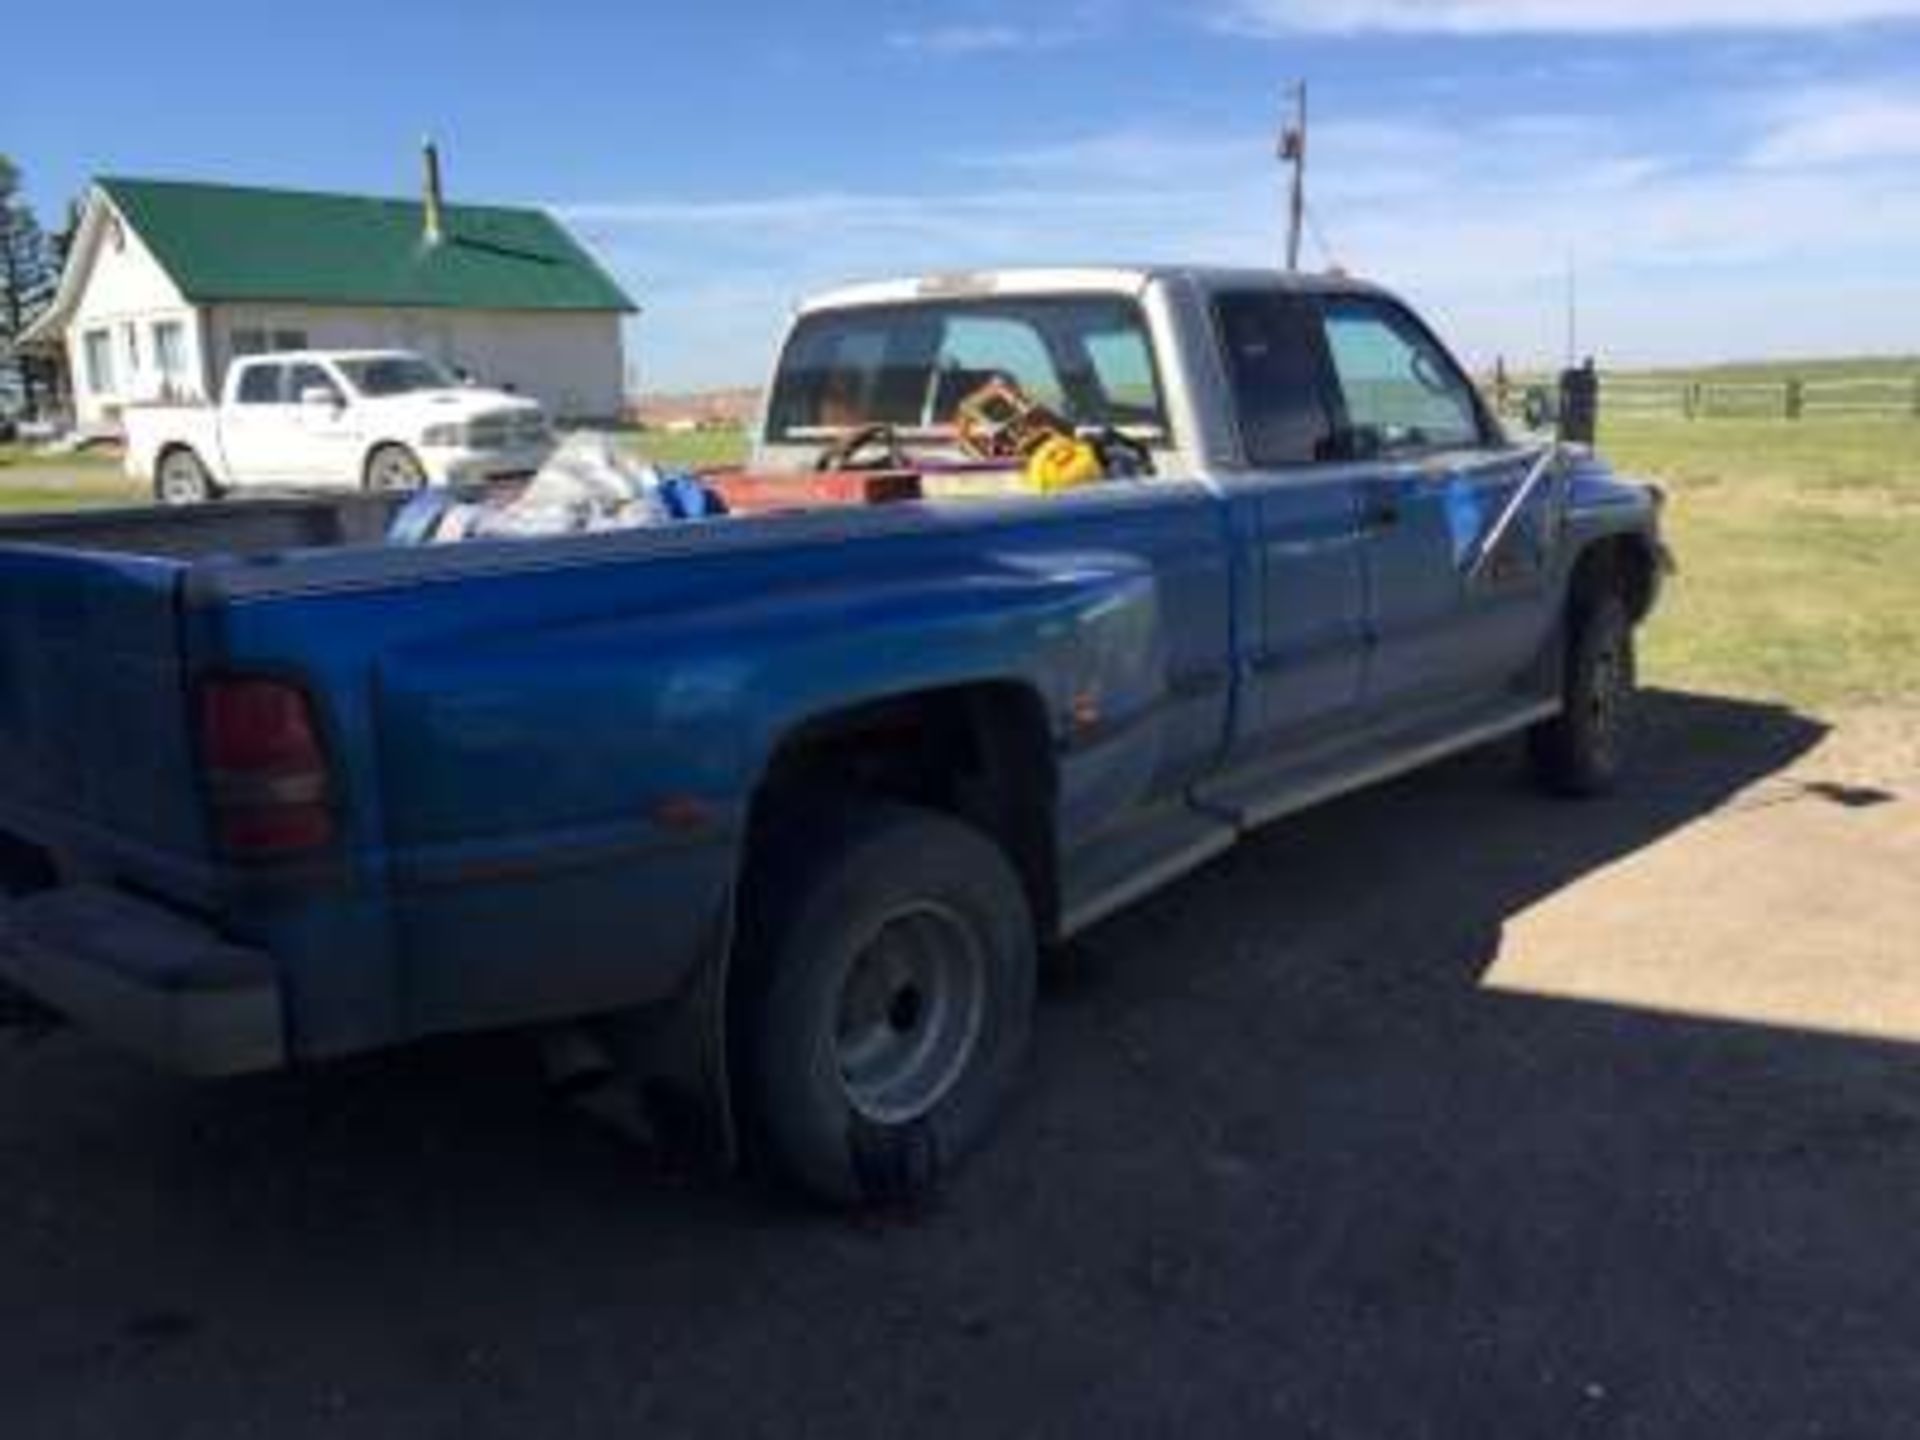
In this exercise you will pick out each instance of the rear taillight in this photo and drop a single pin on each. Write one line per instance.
(266, 769)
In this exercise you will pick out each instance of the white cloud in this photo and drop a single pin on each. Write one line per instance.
(718, 277)
(974, 39)
(856, 217)
(1065, 22)
(1841, 127)
(1596, 17)
(1140, 153)
(1679, 259)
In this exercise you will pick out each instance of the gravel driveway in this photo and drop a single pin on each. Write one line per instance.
(1444, 1111)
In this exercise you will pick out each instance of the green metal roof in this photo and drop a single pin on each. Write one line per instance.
(228, 242)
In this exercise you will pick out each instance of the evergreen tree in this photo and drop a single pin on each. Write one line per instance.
(28, 278)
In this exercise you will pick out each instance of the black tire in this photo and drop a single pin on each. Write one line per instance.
(865, 1076)
(179, 478)
(393, 470)
(1583, 750)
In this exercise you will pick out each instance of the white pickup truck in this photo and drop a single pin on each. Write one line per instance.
(337, 419)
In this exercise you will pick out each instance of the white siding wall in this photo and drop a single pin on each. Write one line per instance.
(573, 363)
(125, 295)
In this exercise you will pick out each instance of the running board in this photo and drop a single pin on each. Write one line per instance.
(1130, 866)
(1112, 873)
(1284, 789)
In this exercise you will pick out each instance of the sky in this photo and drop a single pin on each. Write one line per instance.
(1725, 179)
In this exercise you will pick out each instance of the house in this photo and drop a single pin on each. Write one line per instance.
(167, 281)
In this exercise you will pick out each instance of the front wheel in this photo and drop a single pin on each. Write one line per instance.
(394, 470)
(886, 999)
(1583, 750)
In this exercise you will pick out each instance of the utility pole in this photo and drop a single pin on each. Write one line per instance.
(1293, 151)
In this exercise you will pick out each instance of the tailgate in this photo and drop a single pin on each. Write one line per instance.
(95, 751)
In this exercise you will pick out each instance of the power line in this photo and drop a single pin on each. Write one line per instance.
(1320, 238)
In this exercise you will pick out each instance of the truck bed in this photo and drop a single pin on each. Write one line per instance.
(97, 639)
(256, 527)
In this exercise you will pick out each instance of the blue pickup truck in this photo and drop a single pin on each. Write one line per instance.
(774, 814)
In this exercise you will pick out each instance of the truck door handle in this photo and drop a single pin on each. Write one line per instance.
(1382, 512)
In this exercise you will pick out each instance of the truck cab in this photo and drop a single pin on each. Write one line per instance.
(1360, 471)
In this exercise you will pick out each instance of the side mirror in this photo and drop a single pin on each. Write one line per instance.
(320, 397)
(1580, 404)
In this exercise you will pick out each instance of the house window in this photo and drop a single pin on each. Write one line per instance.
(130, 338)
(97, 346)
(170, 350)
(257, 341)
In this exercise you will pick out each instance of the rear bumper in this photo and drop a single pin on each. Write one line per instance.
(146, 979)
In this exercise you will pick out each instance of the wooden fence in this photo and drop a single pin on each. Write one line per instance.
(1789, 398)
(1693, 397)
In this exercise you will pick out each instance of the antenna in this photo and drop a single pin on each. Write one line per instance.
(1573, 310)
(1293, 151)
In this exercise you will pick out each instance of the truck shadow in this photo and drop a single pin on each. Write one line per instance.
(1459, 848)
(1287, 1166)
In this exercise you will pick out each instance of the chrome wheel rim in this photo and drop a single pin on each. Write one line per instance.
(910, 1014)
(396, 472)
(181, 482)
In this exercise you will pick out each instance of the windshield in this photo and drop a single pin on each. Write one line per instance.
(909, 366)
(395, 375)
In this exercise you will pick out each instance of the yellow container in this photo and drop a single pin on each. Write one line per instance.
(1063, 463)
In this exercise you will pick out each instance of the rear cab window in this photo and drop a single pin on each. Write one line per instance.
(909, 366)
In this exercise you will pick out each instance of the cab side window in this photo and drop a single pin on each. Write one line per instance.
(260, 385)
(1274, 369)
(1400, 391)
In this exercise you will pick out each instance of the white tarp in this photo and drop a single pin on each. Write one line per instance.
(588, 484)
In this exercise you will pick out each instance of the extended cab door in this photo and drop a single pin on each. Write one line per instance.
(1433, 475)
(255, 423)
(1296, 516)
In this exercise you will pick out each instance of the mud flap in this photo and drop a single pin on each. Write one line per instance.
(893, 1165)
(670, 1086)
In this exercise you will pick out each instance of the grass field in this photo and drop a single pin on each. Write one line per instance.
(30, 482)
(1771, 372)
(710, 447)
(34, 482)
(1799, 547)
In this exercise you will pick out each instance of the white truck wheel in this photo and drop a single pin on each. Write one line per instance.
(180, 479)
